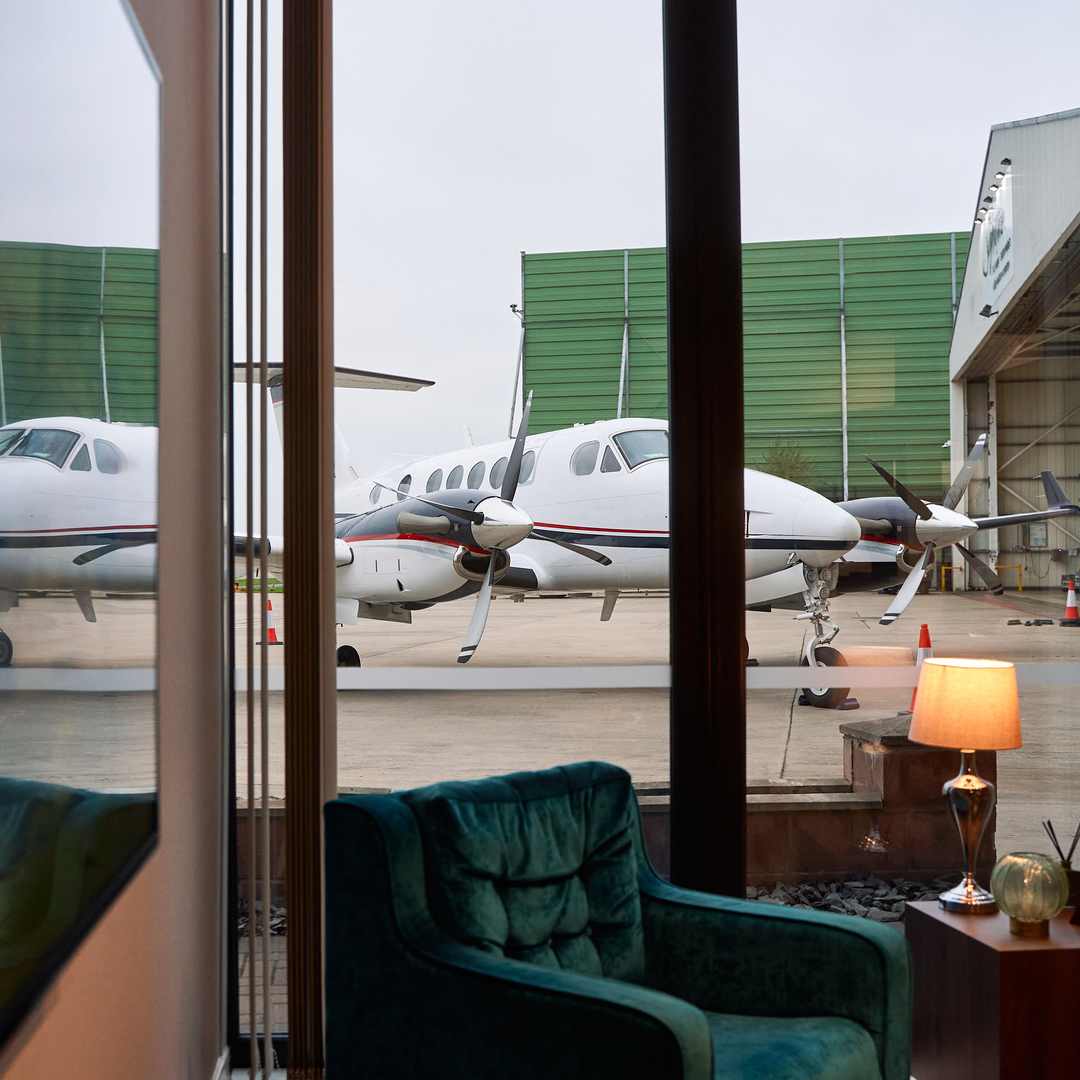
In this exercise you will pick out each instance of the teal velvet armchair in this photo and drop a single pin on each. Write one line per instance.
(514, 928)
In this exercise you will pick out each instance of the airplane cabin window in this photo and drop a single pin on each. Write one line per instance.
(109, 458)
(47, 444)
(498, 471)
(454, 479)
(528, 467)
(434, 481)
(583, 460)
(476, 476)
(641, 446)
(81, 462)
(403, 486)
(375, 493)
(610, 462)
(9, 438)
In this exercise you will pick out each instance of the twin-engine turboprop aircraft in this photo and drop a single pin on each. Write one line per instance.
(583, 508)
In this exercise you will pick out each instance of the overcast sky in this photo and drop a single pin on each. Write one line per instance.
(464, 135)
(79, 163)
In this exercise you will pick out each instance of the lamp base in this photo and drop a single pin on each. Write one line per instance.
(968, 898)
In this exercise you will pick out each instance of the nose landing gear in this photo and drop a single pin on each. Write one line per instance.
(7, 650)
(818, 651)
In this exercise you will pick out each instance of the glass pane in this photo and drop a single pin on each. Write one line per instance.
(583, 459)
(78, 563)
(573, 659)
(899, 404)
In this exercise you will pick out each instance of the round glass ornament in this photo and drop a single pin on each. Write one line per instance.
(1031, 889)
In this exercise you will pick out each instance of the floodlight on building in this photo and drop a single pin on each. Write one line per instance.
(993, 188)
(986, 312)
(1006, 162)
(999, 176)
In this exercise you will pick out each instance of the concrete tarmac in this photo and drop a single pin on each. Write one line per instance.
(400, 738)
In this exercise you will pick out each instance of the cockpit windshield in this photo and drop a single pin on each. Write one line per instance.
(9, 438)
(641, 446)
(46, 444)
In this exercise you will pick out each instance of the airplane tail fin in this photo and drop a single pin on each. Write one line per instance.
(344, 378)
(1056, 498)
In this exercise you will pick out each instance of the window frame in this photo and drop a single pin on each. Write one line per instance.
(594, 444)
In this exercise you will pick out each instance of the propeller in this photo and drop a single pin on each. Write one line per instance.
(596, 556)
(963, 477)
(914, 503)
(508, 490)
(908, 589)
(479, 617)
(990, 579)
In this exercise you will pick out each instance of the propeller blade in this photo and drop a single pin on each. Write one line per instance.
(910, 498)
(963, 477)
(908, 589)
(479, 616)
(423, 524)
(513, 467)
(471, 516)
(983, 569)
(577, 549)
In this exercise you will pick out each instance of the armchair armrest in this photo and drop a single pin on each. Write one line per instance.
(404, 1000)
(739, 956)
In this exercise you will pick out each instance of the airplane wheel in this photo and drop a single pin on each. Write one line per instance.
(825, 697)
(347, 656)
(7, 650)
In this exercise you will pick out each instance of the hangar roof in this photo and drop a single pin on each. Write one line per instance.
(1020, 299)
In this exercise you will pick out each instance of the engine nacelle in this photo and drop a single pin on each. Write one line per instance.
(473, 567)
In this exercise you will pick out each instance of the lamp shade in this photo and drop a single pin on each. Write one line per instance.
(967, 705)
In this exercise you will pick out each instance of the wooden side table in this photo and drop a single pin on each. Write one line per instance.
(991, 1005)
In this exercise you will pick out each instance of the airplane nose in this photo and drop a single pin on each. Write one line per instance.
(504, 524)
(833, 527)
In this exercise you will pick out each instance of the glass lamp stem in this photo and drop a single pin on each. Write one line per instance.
(971, 800)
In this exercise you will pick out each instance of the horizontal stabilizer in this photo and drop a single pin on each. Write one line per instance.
(344, 378)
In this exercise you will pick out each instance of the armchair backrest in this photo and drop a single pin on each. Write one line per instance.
(539, 867)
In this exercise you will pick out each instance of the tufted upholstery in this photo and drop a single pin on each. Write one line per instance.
(538, 867)
(434, 898)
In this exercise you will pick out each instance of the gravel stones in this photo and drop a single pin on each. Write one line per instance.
(278, 920)
(881, 900)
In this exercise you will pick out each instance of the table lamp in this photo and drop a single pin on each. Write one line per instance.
(968, 705)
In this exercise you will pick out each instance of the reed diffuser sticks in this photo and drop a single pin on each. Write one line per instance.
(1066, 860)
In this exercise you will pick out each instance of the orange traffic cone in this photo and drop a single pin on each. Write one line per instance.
(271, 633)
(1072, 616)
(923, 650)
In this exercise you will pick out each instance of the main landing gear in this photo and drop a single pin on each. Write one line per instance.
(818, 651)
(347, 656)
(7, 650)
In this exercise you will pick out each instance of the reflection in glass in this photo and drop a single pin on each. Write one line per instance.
(78, 547)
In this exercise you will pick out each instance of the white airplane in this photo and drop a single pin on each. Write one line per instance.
(583, 508)
(78, 514)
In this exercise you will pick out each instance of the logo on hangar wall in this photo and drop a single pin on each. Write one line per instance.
(996, 249)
